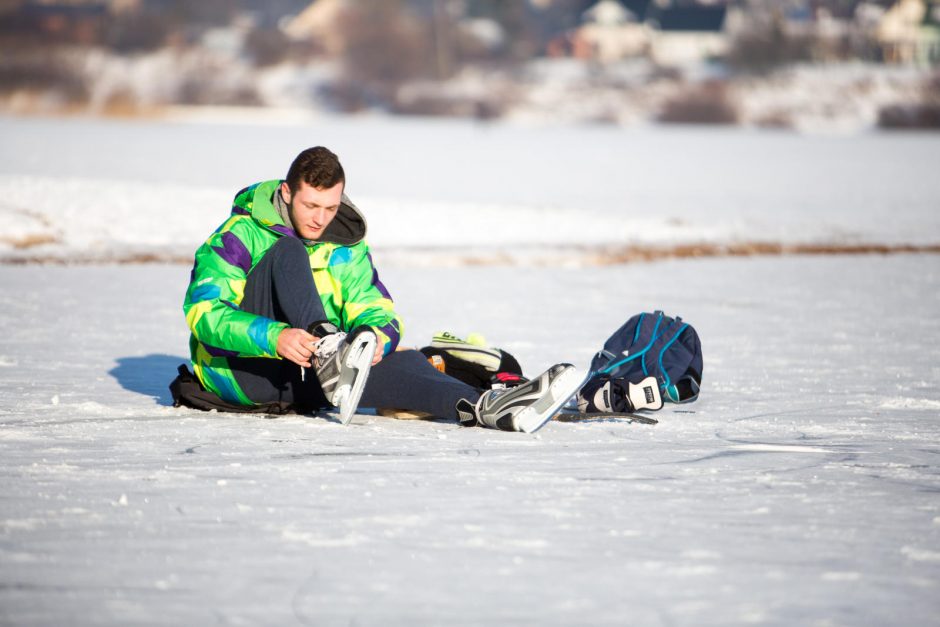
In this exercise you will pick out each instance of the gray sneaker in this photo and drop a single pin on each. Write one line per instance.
(342, 363)
(526, 407)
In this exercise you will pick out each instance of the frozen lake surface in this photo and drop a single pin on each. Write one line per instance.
(802, 488)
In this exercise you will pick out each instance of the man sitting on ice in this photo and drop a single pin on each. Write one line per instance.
(286, 285)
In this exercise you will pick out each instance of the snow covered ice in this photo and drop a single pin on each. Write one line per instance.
(802, 488)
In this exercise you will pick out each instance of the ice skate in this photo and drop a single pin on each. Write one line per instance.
(342, 363)
(525, 407)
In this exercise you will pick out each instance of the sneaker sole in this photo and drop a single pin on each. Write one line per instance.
(531, 419)
(352, 380)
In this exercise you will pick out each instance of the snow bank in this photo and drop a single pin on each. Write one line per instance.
(458, 193)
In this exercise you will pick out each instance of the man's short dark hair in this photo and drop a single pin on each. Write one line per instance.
(317, 167)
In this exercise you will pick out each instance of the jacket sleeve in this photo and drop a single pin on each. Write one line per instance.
(367, 302)
(212, 300)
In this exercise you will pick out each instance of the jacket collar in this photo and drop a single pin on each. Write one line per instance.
(347, 228)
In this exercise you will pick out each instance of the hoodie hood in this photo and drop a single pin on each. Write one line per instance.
(347, 228)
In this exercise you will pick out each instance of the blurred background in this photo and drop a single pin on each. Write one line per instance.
(808, 65)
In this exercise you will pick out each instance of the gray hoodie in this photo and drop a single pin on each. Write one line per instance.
(347, 228)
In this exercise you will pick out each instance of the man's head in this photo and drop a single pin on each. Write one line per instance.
(313, 191)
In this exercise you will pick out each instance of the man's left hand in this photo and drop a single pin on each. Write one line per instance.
(379, 350)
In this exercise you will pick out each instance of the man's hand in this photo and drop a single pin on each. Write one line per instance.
(379, 350)
(296, 345)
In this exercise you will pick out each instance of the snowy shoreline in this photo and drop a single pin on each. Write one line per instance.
(93, 191)
(564, 256)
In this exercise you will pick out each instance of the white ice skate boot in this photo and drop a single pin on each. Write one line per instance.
(342, 362)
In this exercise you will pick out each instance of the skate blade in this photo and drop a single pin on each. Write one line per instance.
(530, 420)
(353, 378)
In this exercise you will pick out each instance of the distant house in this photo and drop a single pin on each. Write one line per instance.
(688, 33)
(909, 32)
(609, 32)
(318, 23)
(670, 33)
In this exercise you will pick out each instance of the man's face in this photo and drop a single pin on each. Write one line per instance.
(312, 208)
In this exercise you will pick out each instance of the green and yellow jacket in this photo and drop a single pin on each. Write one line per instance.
(342, 268)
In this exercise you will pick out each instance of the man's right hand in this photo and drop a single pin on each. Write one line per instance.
(296, 345)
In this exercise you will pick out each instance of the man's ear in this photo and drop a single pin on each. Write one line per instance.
(285, 192)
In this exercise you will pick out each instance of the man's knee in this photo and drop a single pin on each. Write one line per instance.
(286, 252)
(289, 248)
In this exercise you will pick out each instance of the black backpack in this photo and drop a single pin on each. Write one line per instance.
(187, 391)
(473, 361)
(653, 344)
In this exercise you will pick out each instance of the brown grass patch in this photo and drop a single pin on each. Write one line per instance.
(30, 241)
(78, 260)
(752, 249)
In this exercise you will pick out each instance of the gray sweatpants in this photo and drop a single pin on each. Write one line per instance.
(281, 287)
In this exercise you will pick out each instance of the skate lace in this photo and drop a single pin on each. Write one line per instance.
(326, 347)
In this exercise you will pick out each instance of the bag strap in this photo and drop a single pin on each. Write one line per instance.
(661, 336)
(666, 382)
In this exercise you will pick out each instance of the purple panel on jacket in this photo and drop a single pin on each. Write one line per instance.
(375, 279)
(283, 230)
(219, 352)
(234, 252)
(394, 335)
